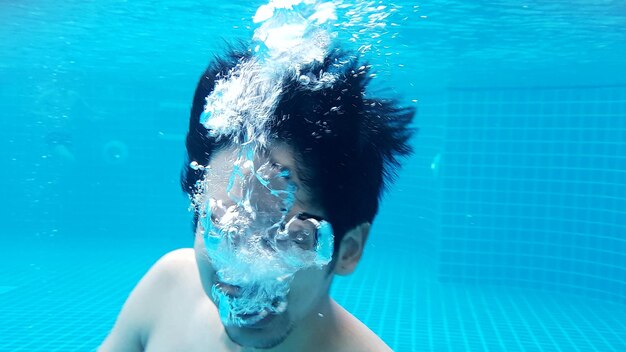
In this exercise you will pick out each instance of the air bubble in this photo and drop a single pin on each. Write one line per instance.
(195, 166)
(304, 79)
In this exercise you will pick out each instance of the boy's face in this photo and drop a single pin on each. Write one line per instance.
(305, 285)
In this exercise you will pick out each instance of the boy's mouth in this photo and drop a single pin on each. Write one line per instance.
(256, 320)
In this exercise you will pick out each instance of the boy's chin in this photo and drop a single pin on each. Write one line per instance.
(266, 335)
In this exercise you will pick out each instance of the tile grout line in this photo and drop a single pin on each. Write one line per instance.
(459, 319)
(523, 320)
(490, 316)
(557, 323)
(505, 316)
(529, 308)
(398, 307)
(479, 328)
(603, 321)
(590, 326)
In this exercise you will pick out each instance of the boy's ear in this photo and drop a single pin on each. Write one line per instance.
(351, 249)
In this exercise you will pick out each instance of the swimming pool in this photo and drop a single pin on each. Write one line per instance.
(504, 232)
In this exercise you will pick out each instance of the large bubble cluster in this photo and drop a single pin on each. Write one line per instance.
(253, 238)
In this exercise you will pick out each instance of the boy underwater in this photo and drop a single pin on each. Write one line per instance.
(287, 160)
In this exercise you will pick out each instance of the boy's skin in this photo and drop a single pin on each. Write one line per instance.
(171, 308)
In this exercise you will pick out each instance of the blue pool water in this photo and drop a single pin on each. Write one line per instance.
(506, 230)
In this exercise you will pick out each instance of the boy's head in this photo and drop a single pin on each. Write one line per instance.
(272, 149)
(346, 145)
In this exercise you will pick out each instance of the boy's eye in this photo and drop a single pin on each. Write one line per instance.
(279, 171)
(214, 220)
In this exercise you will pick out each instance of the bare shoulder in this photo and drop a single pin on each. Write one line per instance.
(138, 315)
(169, 273)
(356, 336)
(175, 263)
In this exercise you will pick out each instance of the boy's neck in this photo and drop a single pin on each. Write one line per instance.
(311, 333)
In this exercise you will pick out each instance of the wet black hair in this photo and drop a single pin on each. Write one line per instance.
(347, 144)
